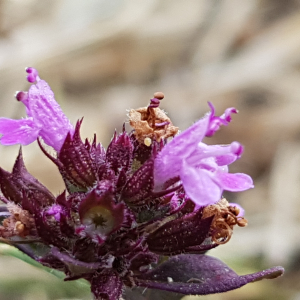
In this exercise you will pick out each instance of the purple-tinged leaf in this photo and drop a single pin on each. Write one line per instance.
(141, 260)
(199, 275)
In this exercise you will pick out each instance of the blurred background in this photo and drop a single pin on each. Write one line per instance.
(104, 57)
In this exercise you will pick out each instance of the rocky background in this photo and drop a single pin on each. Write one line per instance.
(104, 57)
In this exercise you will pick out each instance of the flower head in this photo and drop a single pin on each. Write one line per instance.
(125, 206)
(45, 118)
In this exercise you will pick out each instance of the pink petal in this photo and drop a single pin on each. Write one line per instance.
(184, 143)
(227, 159)
(22, 131)
(169, 160)
(223, 154)
(199, 186)
(48, 114)
(233, 182)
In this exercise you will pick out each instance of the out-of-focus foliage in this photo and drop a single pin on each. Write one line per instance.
(21, 281)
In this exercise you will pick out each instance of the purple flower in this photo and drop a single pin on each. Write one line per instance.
(203, 169)
(125, 206)
(45, 118)
(181, 274)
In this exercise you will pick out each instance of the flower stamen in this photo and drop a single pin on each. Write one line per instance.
(151, 121)
(19, 223)
(225, 217)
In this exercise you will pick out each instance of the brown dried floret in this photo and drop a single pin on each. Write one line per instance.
(19, 223)
(151, 123)
(225, 217)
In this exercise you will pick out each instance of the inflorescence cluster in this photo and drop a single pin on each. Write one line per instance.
(152, 193)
